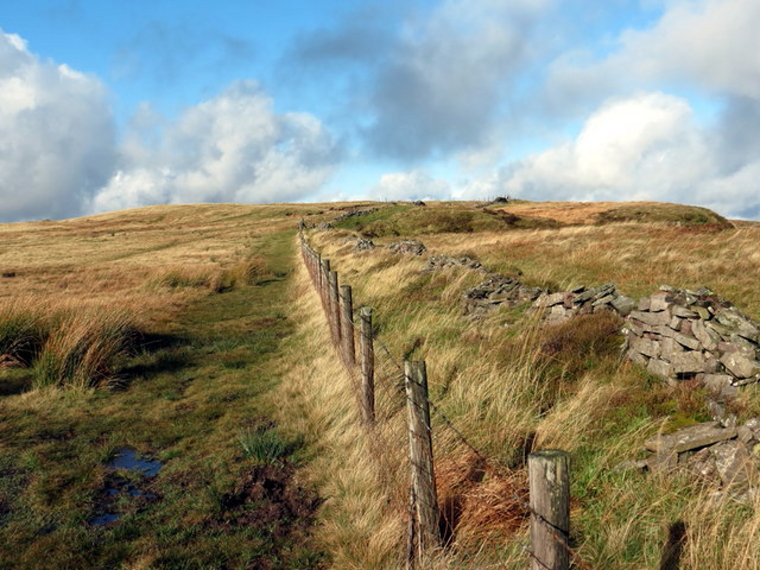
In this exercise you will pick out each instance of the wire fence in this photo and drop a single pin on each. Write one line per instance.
(377, 370)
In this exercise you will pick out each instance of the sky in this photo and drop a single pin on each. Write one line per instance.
(107, 105)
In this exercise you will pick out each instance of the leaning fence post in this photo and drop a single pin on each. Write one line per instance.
(368, 366)
(549, 482)
(349, 349)
(421, 457)
(334, 306)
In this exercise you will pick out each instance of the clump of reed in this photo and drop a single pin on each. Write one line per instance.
(83, 348)
(22, 332)
(66, 345)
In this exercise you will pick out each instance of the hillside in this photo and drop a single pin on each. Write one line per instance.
(221, 369)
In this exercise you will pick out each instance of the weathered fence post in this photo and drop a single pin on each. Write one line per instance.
(549, 482)
(334, 306)
(349, 350)
(368, 367)
(324, 265)
(421, 457)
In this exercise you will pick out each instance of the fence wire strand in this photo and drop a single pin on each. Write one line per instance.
(391, 382)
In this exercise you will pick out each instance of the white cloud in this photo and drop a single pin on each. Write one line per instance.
(645, 147)
(705, 46)
(56, 135)
(714, 43)
(415, 185)
(232, 148)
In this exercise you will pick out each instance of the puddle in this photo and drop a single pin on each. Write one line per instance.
(126, 458)
(117, 486)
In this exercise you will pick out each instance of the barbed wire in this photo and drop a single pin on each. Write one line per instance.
(558, 534)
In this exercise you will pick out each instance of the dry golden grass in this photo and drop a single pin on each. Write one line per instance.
(498, 387)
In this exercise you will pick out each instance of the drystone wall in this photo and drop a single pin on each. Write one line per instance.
(726, 455)
(496, 291)
(680, 334)
(563, 306)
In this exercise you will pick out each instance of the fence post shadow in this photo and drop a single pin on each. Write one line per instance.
(673, 548)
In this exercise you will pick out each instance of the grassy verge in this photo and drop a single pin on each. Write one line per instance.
(198, 399)
(505, 382)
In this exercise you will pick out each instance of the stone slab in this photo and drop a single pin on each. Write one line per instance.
(739, 365)
(692, 437)
(688, 362)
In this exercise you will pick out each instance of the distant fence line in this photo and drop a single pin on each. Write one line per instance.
(548, 470)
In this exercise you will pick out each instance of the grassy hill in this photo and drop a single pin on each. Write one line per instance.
(192, 335)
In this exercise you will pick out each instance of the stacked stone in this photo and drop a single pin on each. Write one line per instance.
(359, 243)
(407, 247)
(438, 262)
(354, 214)
(496, 291)
(564, 305)
(682, 334)
(729, 455)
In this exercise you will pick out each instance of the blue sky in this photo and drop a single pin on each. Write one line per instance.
(107, 105)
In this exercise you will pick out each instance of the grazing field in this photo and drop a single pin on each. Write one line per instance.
(191, 336)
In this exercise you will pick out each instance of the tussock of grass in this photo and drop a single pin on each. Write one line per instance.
(22, 331)
(82, 348)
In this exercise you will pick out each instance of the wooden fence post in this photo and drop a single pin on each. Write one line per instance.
(349, 349)
(324, 265)
(421, 457)
(549, 483)
(334, 306)
(368, 367)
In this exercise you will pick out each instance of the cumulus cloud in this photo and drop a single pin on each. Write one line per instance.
(57, 137)
(232, 148)
(705, 45)
(414, 185)
(645, 147)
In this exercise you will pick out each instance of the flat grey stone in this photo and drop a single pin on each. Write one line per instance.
(687, 341)
(660, 301)
(701, 333)
(646, 347)
(644, 304)
(683, 312)
(703, 313)
(739, 365)
(732, 462)
(649, 318)
(688, 362)
(692, 437)
(744, 434)
(623, 305)
(660, 368)
(720, 384)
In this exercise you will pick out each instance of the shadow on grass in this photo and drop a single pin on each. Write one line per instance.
(14, 382)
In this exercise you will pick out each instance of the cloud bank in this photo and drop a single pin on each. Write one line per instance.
(59, 157)
(232, 148)
(57, 135)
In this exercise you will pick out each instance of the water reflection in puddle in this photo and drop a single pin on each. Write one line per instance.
(126, 459)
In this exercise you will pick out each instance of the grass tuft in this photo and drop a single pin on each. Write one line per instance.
(83, 348)
(263, 445)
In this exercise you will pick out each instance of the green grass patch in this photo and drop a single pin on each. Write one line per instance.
(188, 395)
